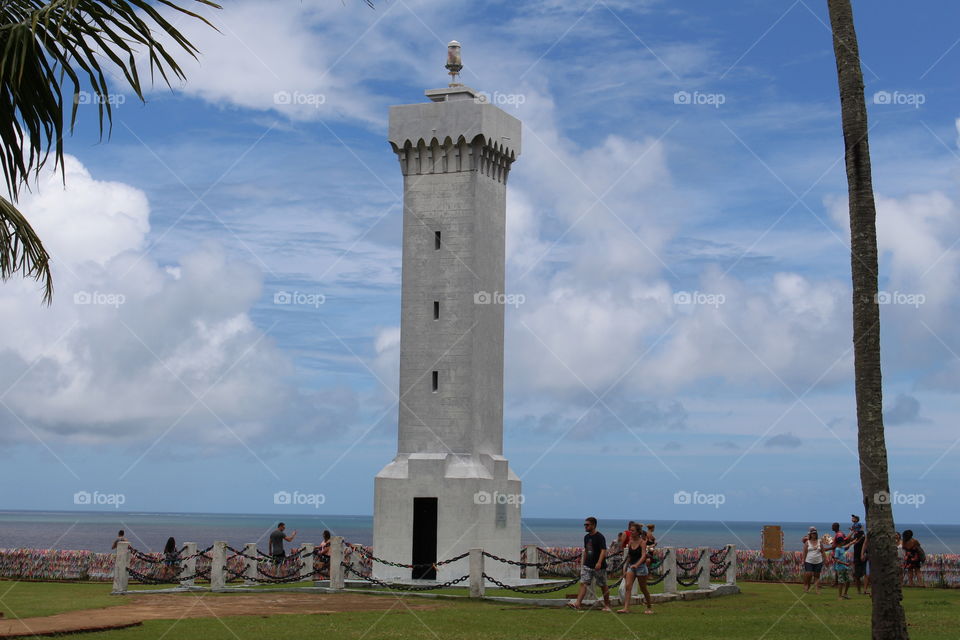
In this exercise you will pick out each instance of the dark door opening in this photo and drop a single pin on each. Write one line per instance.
(424, 539)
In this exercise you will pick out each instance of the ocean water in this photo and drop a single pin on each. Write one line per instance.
(149, 531)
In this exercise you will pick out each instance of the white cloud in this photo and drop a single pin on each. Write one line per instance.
(129, 345)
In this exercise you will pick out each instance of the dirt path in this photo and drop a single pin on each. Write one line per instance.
(198, 605)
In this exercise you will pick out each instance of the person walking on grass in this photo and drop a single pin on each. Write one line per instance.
(838, 540)
(635, 568)
(812, 560)
(841, 564)
(277, 538)
(593, 564)
(913, 559)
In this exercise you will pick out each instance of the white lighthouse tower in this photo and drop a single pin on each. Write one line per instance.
(449, 488)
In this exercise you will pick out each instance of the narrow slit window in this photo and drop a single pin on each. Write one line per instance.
(436, 240)
(436, 309)
(436, 381)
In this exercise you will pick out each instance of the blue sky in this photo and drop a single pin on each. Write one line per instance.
(198, 392)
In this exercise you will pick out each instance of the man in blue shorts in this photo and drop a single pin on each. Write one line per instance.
(593, 562)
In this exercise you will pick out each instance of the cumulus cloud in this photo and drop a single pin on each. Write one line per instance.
(133, 349)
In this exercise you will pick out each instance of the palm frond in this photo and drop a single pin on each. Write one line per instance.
(21, 250)
(49, 47)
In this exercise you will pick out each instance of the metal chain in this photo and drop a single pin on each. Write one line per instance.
(560, 587)
(200, 554)
(242, 554)
(659, 579)
(268, 580)
(145, 556)
(363, 552)
(687, 566)
(297, 569)
(521, 563)
(145, 579)
(720, 571)
(717, 560)
(405, 587)
(453, 559)
(693, 579)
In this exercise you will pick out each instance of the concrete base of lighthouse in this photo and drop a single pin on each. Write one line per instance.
(476, 504)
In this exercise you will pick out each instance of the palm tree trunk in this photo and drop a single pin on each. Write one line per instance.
(889, 622)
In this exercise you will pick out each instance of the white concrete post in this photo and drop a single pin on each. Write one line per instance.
(732, 567)
(306, 556)
(121, 562)
(218, 566)
(533, 557)
(188, 567)
(669, 567)
(356, 561)
(703, 567)
(250, 564)
(336, 560)
(476, 573)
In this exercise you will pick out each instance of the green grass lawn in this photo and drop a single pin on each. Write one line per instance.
(762, 610)
(32, 599)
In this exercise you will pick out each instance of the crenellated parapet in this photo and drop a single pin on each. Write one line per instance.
(481, 154)
(457, 131)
